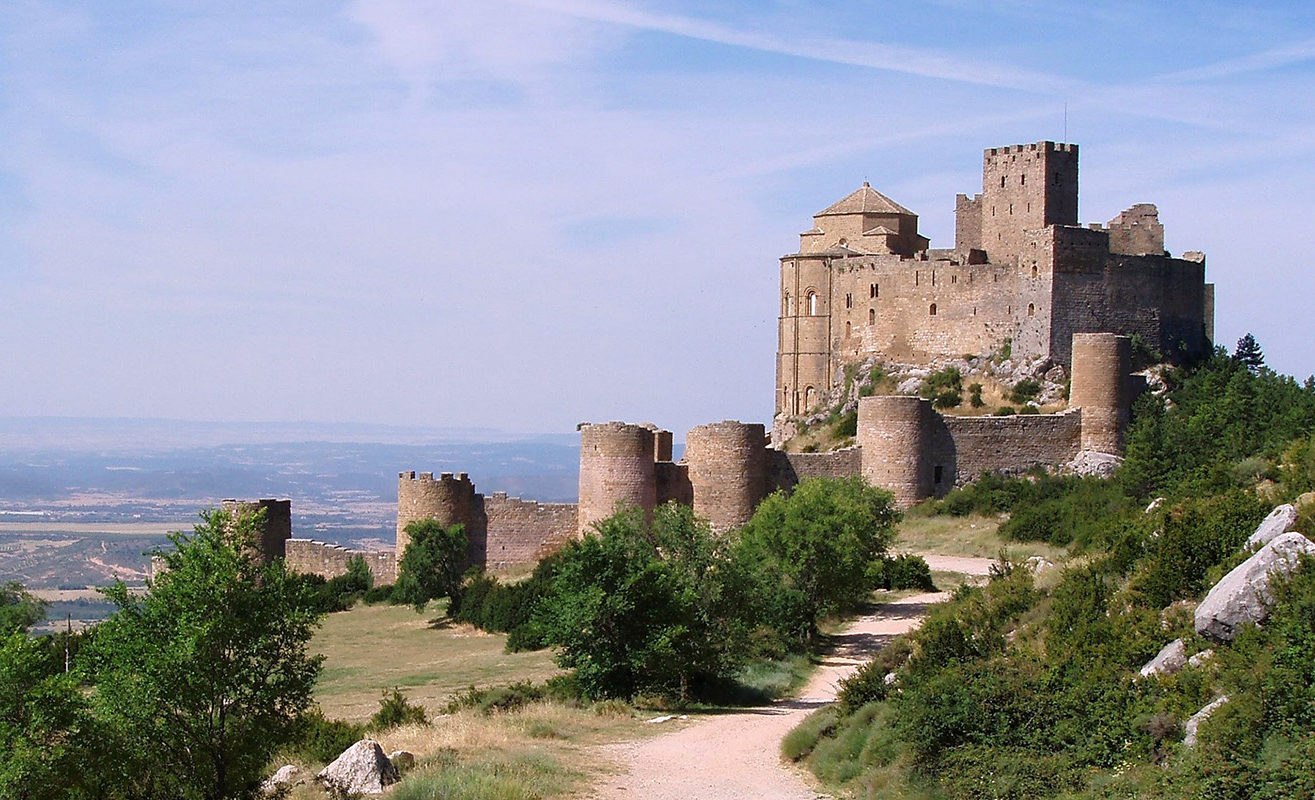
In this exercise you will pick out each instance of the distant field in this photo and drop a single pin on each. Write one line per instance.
(973, 535)
(97, 528)
(371, 649)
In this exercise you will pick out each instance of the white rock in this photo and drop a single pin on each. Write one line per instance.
(1193, 723)
(1091, 463)
(1036, 565)
(1279, 521)
(361, 769)
(909, 386)
(1200, 658)
(1171, 658)
(287, 775)
(1243, 595)
(1155, 505)
(889, 678)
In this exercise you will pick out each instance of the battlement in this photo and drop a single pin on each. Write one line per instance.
(428, 477)
(1044, 146)
(311, 557)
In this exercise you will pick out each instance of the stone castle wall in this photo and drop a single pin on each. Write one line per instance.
(276, 529)
(524, 531)
(1010, 444)
(310, 557)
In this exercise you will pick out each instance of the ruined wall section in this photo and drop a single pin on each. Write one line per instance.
(277, 527)
(786, 470)
(673, 484)
(1162, 300)
(309, 557)
(968, 222)
(525, 531)
(1012, 444)
(1137, 231)
(727, 466)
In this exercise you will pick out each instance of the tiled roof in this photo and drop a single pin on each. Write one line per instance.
(865, 200)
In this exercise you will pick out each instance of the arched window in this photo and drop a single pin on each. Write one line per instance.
(810, 397)
(785, 306)
(1031, 309)
(849, 331)
(812, 304)
(1034, 270)
(872, 316)
(931, 312)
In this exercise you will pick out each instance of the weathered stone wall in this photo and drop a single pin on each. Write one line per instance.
(275, 531)
(524, 531)
(1162, 300)
(786, 470)
(673, 484)
(310, 557)
(727, 464)
(1137, 231)
(617, 468)
(1008, 444)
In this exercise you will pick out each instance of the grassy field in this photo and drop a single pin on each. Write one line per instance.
(974, 535)
(371, 649)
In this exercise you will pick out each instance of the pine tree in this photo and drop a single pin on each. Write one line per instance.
(1249, 354)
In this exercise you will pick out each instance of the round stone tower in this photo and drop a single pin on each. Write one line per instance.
(277, 529)
(617, 468)
(1101, 363)
(727, 470)
(895, 434)
(450, 500)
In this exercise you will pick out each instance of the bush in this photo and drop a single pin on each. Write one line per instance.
(394, 710)
(1025, 391)
(905, 571)
(322, 739)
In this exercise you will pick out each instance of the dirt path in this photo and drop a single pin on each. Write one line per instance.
(737, 754)
(968, 565)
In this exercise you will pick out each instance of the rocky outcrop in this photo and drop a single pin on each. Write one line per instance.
(361, 769)
(1243, 595)
(1169, 660)
(1193, 724)
(1089, 463)
(1279, 521)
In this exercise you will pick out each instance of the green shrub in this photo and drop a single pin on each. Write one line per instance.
(394, 710)
(905, 571)
(800, 741)
(1005, 411)
(845, 425)
(1025, 391)
(321, 739)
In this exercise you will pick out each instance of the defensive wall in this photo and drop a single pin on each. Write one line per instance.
(310, 557)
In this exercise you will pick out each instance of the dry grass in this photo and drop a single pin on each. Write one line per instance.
(371, 649)
(974, 535)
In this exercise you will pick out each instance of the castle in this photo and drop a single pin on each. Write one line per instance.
(865, 283)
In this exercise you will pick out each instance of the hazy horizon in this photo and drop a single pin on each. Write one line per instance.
(517, 215)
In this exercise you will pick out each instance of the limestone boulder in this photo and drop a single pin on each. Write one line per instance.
(361, 769)
(1243, 596)
(1279, 521)
(1089, 463)
(1200, 658)
(285, 778)
(1171, 658)
(1193, 724)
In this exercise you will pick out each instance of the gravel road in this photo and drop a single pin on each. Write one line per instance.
(736, 755)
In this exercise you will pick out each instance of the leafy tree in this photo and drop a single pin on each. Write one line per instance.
(48, 734)
(639, 607)
(205, 676)
(1249, 354)
(813, 552)
(18, 609)
(433, 564)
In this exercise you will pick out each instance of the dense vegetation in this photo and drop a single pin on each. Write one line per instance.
(185, 692)
(1026, 687)
(662, 606)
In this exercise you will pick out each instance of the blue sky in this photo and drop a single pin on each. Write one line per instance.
(525, 214)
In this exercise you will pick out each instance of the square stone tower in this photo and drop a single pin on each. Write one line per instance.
(1024, 187)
